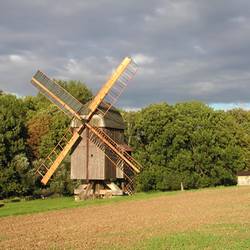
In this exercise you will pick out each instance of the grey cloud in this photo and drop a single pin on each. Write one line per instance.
(186, 49)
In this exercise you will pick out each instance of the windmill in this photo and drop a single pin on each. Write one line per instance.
(87, 132)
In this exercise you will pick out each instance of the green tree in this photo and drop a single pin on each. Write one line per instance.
(12, 128)
(189, 143)
(13, 160)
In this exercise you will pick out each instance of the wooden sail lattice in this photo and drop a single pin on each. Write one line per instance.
(56, 156)
(117, 88)
(57, 95)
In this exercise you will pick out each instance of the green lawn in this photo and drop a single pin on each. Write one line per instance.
(217, 236)
(40, 205)
(43, 205)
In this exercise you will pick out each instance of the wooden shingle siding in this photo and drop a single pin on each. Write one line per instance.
(78, 159)
(96, 163)
(88, 162)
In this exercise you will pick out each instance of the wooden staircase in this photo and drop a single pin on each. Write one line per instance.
(104, 138)
(116, 155)
(130, 187)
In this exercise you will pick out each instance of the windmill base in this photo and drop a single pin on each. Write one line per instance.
(98, 189)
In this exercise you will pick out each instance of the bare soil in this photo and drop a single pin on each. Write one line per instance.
(124, 224)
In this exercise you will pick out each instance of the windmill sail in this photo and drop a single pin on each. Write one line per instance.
(56, 156)
(57, 95)
(112, 89)
(117, 88)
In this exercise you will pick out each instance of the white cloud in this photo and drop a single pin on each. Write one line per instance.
(16, 58)
(73, 67)
(111, 60)
(160, 11)
(172, 14)
(131, 109)
(142, 59)
(199, 49)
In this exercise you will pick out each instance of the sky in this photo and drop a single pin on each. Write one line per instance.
(185, 49)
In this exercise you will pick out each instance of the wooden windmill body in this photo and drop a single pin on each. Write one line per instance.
(89, 162)
(99, 155)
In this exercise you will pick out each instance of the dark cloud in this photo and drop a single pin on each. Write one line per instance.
(186, 49)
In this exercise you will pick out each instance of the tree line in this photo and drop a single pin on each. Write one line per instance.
(30, 127)
(188, 143)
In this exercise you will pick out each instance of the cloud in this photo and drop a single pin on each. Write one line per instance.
(16, 58)
(142, 59)
(229, 106)
(185, 49)
(199, 49)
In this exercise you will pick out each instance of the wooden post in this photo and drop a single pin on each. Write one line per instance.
(87, 191)
(182, 188)
(97, 190)
(87, 154)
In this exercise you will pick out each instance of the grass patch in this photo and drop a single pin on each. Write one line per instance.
(217, 236)
(39, 205)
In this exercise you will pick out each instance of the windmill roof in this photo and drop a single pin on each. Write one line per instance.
(112, 119)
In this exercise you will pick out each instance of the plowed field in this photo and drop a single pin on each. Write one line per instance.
(126, 224)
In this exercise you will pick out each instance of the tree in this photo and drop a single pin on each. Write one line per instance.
(78, 89)
(17, 179)
(12, 128)
(13, 160)
(189, 143)
(38, 126)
